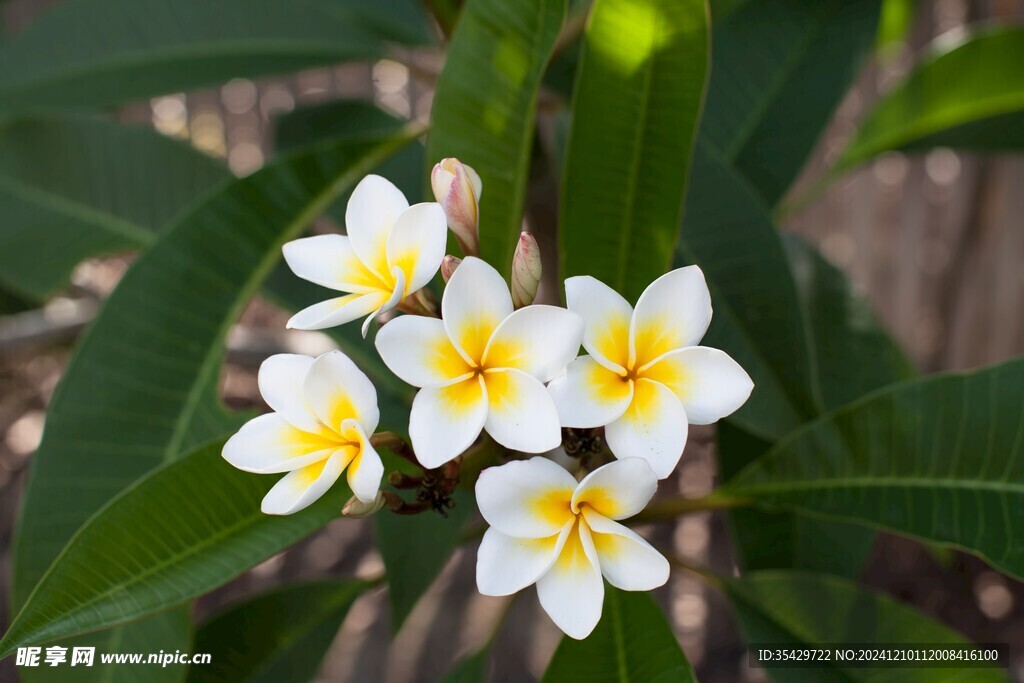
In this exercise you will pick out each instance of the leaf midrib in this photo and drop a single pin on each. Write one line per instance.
(789, 66)
(58, 203)
(868, 481)
(211, 363)
(218, 50)
(633, 178)
(191, 551)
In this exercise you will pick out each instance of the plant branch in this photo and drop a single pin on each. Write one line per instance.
(670, 508)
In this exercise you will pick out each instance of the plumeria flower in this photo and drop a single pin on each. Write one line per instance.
(482, 366)
(391, 251)
(325, 411)
(563, 536)
(645, 380)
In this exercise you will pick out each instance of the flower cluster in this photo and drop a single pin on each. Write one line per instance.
(488, 359)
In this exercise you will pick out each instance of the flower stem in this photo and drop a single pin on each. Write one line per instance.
(396, 444)
(670, 508)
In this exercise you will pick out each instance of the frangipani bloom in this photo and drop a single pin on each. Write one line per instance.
(549, 530)
(482, 367)
(391, 251)
(645, 380)
(325, 412)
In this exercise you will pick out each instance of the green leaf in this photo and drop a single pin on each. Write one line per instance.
(486, 103)
(87, 53)
(82, 187)
(280, 635)
(787, 540)
(639, 91)
(758, 319)
(939, 459)
(179, 532)
(168, 631)
(968, 95)
(141, 388)
(632, 642)
(786, 608)
(781, 68)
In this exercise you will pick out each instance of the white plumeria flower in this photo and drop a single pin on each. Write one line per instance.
(645, 380)
(325, 412)
(391, 251)
(482, 366)
(549, 530)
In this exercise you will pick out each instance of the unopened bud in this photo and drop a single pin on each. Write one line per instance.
(448, 266)
(457, 188)
(526, 271)
(357, 509)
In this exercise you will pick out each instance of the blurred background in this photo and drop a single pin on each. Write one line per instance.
(935, 242)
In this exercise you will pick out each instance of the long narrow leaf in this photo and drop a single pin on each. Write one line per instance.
(781, 68)
(941, 459)
(632, 642)
(87, 53)
(970, 95)
(485, 106)
(73, 187)
(177, 533)
(639, 92)
(141, 387)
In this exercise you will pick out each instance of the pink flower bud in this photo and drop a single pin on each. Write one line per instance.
(448, 266)
(526, 270)
(457, 188)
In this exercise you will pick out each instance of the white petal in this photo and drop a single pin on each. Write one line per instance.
(654, 428)
(674, 311)
(330, 261)
(627, 560)
(709, 383)
(590, 395)
(337, 390)
(366, 469)
(334, 312)
(475, 302)
(572, 591)
(301, 488)
(445, 421)
(606, 316)
(418, 350)
(372, 210)
(521, 414)
(526, 498)
(539, 340)
(280, 380)
(617, 490)
(269, 443)
(506, 565)
(394, 300)
(416, 244)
